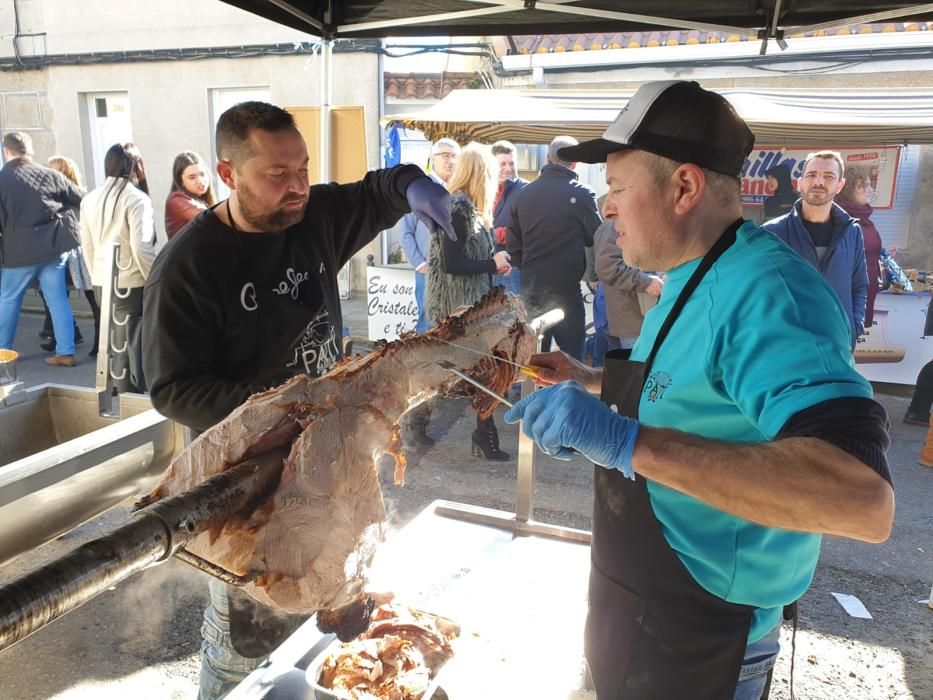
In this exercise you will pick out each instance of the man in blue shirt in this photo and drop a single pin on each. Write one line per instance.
(826, 236)
(732, 437)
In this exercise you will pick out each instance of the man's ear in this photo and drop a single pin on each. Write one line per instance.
(841, 185)
(689, 182)
(227, 173)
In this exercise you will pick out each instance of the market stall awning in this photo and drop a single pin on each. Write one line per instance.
(383, 18)
(792, 118)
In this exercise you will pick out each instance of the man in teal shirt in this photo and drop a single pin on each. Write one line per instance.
(743, 431)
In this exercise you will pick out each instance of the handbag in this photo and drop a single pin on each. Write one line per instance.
(894, 276)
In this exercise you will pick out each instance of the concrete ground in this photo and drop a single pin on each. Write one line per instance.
(140, 640)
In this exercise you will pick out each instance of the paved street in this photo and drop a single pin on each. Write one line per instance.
(141, 639)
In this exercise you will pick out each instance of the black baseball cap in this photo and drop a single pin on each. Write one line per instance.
(676, 119)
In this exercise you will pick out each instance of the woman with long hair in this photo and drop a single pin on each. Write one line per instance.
(192, 191)
(460, 272)
(78, 272)
(119, 212)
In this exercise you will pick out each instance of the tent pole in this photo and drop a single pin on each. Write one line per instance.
(327, 74)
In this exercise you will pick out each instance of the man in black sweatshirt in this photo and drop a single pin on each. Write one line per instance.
(553, 220)
(245, 296)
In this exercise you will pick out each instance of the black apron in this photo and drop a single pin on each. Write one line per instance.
(652, 631)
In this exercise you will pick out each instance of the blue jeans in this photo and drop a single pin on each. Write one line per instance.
(512, 282)
(420, 283)
(13, 284)
(758, 662)
(222, 668)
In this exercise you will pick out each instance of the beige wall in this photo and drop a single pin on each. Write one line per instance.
(80, 26)
(170, 101)
(170, 107)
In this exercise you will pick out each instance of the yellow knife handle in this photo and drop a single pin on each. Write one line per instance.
(529, 372)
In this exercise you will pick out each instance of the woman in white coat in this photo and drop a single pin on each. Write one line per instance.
(119, 212)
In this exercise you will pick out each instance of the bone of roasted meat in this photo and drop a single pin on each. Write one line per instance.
(313, 539)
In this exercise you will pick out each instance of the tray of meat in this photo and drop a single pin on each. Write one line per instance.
(398, 657)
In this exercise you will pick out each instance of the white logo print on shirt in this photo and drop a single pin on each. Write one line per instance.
(316, 352)
(248, 297)
(291, 283)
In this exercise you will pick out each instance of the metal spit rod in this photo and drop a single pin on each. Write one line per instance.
(155, 533)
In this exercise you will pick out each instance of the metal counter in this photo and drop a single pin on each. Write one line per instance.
(521, 602)
(61, 462)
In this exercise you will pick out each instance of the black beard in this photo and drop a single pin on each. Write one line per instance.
(269, 222)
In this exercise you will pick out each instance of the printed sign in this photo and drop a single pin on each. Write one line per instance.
(894, 350)
(390, 302)
(879, 163)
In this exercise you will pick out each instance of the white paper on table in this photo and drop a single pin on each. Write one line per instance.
(852, 605)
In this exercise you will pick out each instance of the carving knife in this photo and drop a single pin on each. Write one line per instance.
(523, 369)
(450, 367)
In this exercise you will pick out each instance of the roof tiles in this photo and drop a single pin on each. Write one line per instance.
(556, 43)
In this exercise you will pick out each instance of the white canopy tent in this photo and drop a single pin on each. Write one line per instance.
(777, 117)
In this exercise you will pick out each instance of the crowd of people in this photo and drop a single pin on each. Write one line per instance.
(56, 234)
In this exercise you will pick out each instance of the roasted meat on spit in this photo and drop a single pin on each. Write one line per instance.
(311, 541)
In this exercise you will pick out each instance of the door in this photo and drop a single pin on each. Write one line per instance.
(109, 123)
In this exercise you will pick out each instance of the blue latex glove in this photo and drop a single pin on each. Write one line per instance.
(566, 416)
(430, 202)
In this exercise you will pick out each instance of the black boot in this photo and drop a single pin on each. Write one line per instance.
(418, 420)
(95, 309)
(486, 441)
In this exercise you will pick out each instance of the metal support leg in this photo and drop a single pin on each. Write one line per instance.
(522, 521)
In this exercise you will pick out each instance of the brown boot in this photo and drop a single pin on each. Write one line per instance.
(61, 360)
(926, 452)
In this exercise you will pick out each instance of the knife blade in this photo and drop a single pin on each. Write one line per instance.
(450, 367)
(524, 369)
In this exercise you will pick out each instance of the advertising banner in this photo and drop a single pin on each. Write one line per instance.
(894, 349)
(879, 163)
(390, 302)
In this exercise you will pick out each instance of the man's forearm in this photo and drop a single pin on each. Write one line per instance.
(803, 484)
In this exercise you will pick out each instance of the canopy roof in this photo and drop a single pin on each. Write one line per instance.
(381, 18)
(777, 117)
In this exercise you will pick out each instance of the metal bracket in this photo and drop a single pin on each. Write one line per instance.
(772, 32)
(214, 570)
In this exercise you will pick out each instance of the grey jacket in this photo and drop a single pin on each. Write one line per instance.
(38, 214)
(624, 286)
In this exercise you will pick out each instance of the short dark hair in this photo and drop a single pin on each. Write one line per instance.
(18, 142)
(500, 147)
(234, 126)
